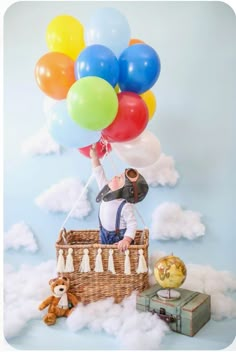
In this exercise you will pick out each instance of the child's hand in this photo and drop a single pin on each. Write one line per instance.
(124, 244)
(93, 152)
(94, 156)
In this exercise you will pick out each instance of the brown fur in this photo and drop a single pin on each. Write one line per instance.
(51, 302)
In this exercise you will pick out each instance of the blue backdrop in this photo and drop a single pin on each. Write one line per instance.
(194, 121)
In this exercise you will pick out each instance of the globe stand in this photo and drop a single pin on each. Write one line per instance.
(169, 294)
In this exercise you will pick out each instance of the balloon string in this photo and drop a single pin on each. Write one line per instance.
(104, 142)
(77, 201)
(113, 165)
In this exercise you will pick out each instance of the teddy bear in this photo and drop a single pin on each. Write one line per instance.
(60, 302)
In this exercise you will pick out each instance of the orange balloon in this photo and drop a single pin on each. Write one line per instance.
(54, 73)
(135, 41)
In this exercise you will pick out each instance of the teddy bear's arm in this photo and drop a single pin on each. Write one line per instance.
(45, 303)
(73, 299)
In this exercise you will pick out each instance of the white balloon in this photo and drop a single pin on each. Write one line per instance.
(142, 151)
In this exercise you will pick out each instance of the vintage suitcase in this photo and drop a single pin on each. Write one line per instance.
(185, 315)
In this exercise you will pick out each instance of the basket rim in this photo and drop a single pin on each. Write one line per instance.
(59, 243)
(99, 245)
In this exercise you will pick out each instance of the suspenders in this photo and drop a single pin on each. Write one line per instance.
(118, 216)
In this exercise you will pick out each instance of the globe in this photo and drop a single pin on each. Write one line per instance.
(170, 272)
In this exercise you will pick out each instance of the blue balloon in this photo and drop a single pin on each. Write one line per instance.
(97, 60)
(109, 27)
(65, 131)
(140, 68)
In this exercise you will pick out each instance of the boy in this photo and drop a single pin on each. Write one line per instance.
(116, 215)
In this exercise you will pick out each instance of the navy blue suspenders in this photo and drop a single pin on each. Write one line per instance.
(118, 216)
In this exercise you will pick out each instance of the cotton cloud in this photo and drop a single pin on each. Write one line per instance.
(170, 221)
(23, 292)
(62, 196)
(40, 144)
(133, 329)
(162, 172)
(20, 235)
(205, 279)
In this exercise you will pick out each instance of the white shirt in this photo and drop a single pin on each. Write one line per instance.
(108, 210)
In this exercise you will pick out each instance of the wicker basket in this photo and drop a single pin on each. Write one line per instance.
(92, 286)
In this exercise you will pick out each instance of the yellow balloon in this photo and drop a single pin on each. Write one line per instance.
(65, 34)
(150, 101)
(117, 89)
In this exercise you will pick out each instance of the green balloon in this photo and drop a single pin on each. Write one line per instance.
(92, 103)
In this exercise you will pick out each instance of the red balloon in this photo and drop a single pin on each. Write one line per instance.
(54, 73)
(131, 118)
(101, 149)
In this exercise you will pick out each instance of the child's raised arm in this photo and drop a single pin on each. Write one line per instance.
(94, 157)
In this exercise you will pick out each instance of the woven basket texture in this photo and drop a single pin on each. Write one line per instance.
(93, 286)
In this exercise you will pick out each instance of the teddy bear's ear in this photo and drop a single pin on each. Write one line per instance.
(51, 281)
(65, 278)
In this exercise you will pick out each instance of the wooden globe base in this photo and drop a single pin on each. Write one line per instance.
(169, 294)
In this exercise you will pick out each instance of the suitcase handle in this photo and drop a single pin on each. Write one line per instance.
(163, 316)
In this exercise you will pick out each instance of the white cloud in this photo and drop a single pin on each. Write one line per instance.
(133, 330)
(24, 290)
(205, 279)
(170, 221)
(20, 235)
(62, 196)
(40, 143)
(162, 172)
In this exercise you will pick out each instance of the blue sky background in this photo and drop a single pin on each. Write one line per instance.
(194, 122)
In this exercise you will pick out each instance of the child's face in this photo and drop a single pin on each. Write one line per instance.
(117, 182)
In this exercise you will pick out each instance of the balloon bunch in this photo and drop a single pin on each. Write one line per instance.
(97, 84)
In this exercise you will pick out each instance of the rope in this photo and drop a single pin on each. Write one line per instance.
(77, 201)
(82, 193)
(141, 218)
(144, 225)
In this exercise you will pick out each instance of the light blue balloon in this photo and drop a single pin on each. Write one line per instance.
(109, 27)
(65, 131)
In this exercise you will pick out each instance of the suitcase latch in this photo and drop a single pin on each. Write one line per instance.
(167, 318)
